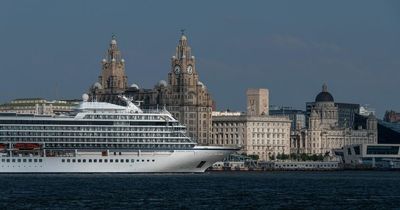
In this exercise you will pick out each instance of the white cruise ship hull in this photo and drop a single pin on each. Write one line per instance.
(195, 160)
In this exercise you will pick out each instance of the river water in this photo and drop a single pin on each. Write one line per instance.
(213, 190)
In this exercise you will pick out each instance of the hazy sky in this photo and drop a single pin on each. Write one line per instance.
(53, 49)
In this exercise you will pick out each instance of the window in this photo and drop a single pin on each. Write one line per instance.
(127, 160)
(94, 160)
(90, 160)
(30, 160)
(24, 160)
(122, 160)
(19, 160)
(116, 160)
(84, 160)
(383, 150)
(105, 160)
(73, 160)
(111, 160)
(68, 160)
(63, 160)
(100, 160)
(40, 160)
(132, 160)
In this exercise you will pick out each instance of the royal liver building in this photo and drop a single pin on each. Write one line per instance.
(184, 95)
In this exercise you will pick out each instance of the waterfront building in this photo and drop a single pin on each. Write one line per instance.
(324, 132)
(371, 155)
(388, 133)
(258, 134)
(298, 117)
(257, 101)
(392, 116)
(112, 81)
(365, 110)
(184, 95)
(38, 106)
(346, 112)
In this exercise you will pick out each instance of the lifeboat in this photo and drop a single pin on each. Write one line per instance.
(3, 147)
(26, 146)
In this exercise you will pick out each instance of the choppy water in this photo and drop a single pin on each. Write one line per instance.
(231, 190)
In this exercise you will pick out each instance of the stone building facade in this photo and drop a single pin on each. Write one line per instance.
(184, 95)
(112, 81)
(324, 132)
(38, 106)
(258, 134)
(257, 101)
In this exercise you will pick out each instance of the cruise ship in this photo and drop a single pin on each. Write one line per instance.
(100, 137)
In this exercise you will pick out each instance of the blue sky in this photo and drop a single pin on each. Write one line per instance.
(53, 49)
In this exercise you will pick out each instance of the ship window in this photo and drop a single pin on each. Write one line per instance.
(19, 160)
(122, 160)
(94, 160)
(116, 160)
(132, 160)
(68, 160)
(73, 160)
(153, 160)
(3, 160)
(111, 160)
(79, 160)
(100, 160)
(30, 160)
(24, 160)
(90, 160)
(142, 160)
(137, 160)
(148, 160)
(115, 153)
(40, 160)
(84, 160)
(13, 160)
(105, 160)
(119, 153)
(8, 160)
(63, 160)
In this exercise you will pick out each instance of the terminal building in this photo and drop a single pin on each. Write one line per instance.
(385, 156)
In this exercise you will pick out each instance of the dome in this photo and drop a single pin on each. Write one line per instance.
(162, 83)
(97, 86)
(183, 37)
(135, 86)
(324, 96)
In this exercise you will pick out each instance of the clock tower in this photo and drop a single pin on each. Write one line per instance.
(189, 100)
(112, 80)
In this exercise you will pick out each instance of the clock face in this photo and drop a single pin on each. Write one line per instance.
(177, 69)
(189, 69)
